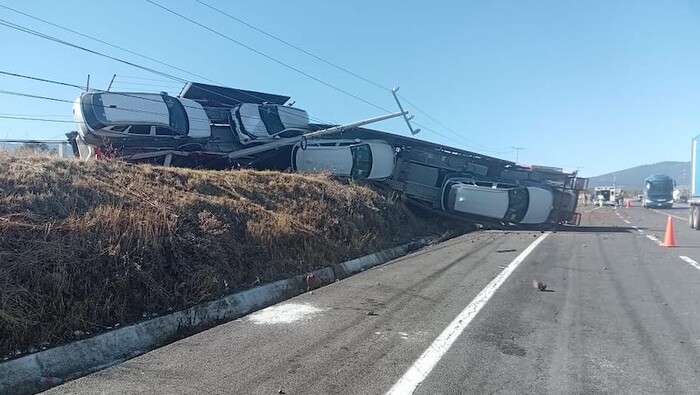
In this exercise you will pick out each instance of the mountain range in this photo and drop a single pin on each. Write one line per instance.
(633, 178)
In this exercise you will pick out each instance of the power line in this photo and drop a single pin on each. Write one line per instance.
(41, 80)
(376, 84)
(447, 128)
(287, 43)
(94, 52)
(4, 92)
(268, 56)
(35, 119)
(58, 40)
(166, 75)
(37, 115)
(107, 43)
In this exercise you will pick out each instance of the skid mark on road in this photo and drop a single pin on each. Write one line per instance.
(427, 361)
(690, 261)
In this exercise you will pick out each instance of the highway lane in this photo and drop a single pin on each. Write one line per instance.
(359, 335)
(622, 317)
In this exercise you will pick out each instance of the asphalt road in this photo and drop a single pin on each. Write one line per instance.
(620, 315)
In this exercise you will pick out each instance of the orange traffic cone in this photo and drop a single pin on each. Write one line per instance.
(669, 239)
(628, 205)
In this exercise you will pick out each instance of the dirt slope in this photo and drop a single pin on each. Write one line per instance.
(84, 246)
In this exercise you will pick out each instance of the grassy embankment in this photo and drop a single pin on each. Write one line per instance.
(87, 246)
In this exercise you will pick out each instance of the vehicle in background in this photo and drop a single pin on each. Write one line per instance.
(371, 159)
(140, 117)
(681, 193)
(609, 195)
(694, 199)
(509, 203)
(260, 123)
(658, 191)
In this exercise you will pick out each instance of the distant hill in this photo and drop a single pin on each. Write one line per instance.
(634, 178)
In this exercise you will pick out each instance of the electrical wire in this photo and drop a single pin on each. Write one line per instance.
(107, 43)
(35, 119)
(268, 56)
(166, 75)
(287, 43)
(345, 70)
(94, 52)
(41, 80)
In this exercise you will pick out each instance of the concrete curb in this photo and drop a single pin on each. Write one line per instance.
(42, 370)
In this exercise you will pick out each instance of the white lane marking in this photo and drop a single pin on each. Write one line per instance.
(422, 367)
(654, 239)
(284, 314)
(637, 229)
(626, 221)
(667, 214)
(692, 262)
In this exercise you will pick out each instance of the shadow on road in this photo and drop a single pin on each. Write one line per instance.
(595, 229)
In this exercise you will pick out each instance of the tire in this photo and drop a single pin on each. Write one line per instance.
(691, 217)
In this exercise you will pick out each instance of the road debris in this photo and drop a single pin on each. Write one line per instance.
(538, 285)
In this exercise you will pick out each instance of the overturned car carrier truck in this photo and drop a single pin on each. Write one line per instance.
(486, 189)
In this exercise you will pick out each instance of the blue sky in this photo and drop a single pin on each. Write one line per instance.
(596, 85)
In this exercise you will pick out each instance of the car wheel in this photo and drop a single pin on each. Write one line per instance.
(691, 217)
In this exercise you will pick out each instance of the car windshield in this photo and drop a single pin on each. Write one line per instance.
(177, 114)
(361, 161)
(660, 189)
(518, 200)
(93, 111)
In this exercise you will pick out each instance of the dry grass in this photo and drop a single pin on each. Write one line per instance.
(86, 245)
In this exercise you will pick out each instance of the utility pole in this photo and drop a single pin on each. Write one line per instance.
(517, 151)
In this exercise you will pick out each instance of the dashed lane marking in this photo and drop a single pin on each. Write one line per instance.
(654, 239)
(690, 261)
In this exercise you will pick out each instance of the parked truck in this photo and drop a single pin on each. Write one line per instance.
(694, 199)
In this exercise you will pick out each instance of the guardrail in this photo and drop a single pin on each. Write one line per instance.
(61, 144)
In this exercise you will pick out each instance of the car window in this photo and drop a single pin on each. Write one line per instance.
(361, 160)
(177, 115)
(161, 131)
(140, 129)
(518, 201)
(271, 119)
(119, 128)
(93, 110)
